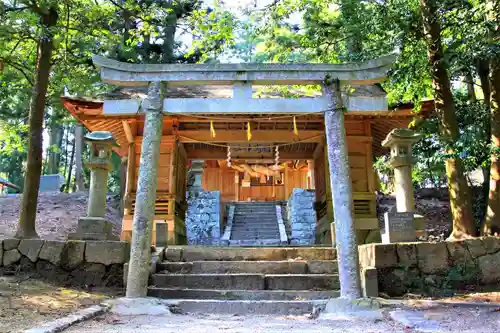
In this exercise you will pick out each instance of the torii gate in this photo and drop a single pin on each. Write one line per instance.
(241, 77)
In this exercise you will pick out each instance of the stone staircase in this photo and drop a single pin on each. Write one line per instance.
(255, 224)
(236, 280)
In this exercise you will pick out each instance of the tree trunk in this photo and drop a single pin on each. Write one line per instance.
(491, 223)
(483, 71)
(80, 186)
(471, 93)
(55, 143)
(66, 145)
(26, 227)
(169, 29)
(70, 167)
(460, 201)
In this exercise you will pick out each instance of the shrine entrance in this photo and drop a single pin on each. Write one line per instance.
(229, 119)
(256, 171)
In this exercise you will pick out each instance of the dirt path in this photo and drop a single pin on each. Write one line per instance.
(26, 303)
(441, 319)
(224, 323)
(57, 214)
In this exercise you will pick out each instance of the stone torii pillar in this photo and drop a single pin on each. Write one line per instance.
(142, 225)
(340, 179)
(400, 141)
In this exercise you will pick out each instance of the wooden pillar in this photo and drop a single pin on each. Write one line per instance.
(286, 181)
(130, 185)
(310, 175)
(237, 186)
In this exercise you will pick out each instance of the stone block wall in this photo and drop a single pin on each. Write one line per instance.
(433, 268)
(72, 263)
(302, 217)
(203, 218)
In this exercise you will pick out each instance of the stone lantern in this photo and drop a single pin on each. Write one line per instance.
(196, 171)
(94, 226)
(400, 141)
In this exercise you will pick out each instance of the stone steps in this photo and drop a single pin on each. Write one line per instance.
(247, 307)
(257, 241)
(246, 281)
(250, 233)
(238, 280)
(200, 253)
(257, 267)
(260, 238)
(255, 224)
(250, 295)
(263, 226)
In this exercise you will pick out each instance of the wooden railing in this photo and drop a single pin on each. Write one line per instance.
(167, 209)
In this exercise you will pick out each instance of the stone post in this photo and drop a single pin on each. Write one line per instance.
(399, 141)
(142, 225)
(99, 165)
(340, 179)
(310, 174)
(197, 174)
(94, 226)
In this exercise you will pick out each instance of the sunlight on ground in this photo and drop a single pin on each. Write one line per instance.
(26, 302)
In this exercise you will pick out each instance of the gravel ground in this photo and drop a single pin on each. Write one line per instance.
(464, 320)
(233, 324)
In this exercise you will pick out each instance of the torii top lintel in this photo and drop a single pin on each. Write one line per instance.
(127, 74)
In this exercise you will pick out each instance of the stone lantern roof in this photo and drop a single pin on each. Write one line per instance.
(400, 135)
(104, 137)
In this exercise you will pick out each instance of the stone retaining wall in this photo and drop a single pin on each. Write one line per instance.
(203, 218)
(73, 262)
(302, 217)
(433, 268)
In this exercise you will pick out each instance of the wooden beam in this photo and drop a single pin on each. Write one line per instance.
(210, 154)
(128, 131)
(258, 136)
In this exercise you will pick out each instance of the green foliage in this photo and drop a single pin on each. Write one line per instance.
(127, 30)
(461, 275)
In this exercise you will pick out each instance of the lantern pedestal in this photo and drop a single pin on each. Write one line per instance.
(94, 228)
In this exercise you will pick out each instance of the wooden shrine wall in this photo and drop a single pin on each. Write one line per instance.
(359, 145)
(294, 179)
(262, 193)
(170, 191)
(223, 180)
(167, 152)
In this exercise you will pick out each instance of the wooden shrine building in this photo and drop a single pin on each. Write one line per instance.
(254, 144)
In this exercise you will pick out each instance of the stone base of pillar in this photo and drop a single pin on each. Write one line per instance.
(369, 282)
(93, 228)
